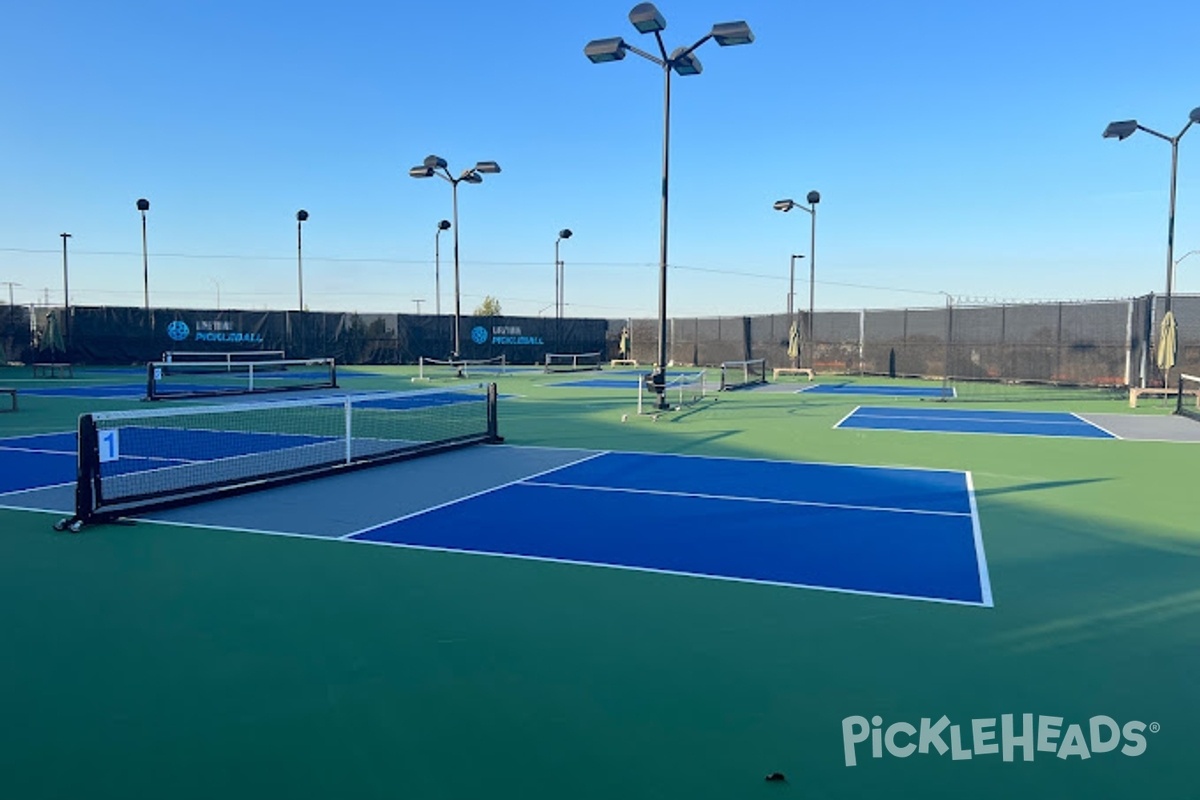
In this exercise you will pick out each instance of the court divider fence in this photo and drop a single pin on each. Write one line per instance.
(1098, 343)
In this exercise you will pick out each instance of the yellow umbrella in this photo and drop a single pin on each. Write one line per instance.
(1167, 344)
(793, 350)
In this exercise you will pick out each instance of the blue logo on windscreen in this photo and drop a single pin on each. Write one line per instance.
(178, 330)
(479, 334)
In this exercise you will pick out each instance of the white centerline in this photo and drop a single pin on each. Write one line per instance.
(740, 498)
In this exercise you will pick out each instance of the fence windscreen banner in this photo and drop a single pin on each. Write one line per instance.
(108, 335)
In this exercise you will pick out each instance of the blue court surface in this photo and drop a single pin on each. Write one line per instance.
(882, 531)
(954, 420)
(878, 390)
(626, 380)
(893, 532)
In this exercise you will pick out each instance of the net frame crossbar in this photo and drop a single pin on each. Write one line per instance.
(229, 357)
(573, 362)
(749, 372)
(461, 367)
(92, 506)
(1187, 403)
(156, 372)
(683, 390)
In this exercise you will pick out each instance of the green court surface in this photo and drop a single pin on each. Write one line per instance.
(151, 661)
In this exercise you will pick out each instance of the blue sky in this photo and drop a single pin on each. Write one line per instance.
(956, 147)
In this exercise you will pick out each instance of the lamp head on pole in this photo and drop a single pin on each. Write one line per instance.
(1195, 115)
(784, 205)
(444, 225)
(685, 63)
(143, 205)
(647, 19)
(565, 233)
(728, 34)
(814, 197)
(301, 216)
(1121, 130)
(601, 51)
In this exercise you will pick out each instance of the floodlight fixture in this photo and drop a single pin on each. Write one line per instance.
(685, 62)
(487, 167)
(647, 19)
(729, 34)
(814, 197)
(785, 205)
(600, 51)
(420, 172)
(1121, 130)
(435, 162)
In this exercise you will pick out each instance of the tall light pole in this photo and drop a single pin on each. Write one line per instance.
(436, 165)
(143, 205)
(301, 218)
(559, 276)
(10, 284)
(444, 225)
(66, 291)
(813, 198)
(647, 19)
(1126, 128)
(217, 284)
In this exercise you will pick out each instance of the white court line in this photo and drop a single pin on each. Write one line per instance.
(1076, 437)
(657, 571)
(38, 488)
(744, 499)
(471, 496)
(1094, 425)
(995, 420)
(760, 460)
(37, 510)
(37, 450)
(985, 581)
(853, 411)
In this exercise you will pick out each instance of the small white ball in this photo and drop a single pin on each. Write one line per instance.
(624, 417)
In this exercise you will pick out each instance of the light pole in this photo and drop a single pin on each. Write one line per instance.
(444, 225)
(143, 205)
(10, 284)
(647, 19)
(66, 291)
(813, 198)
(217, 284)
(436, 165)
(1126, 128)
(418, 301)
(559, 275)
(301, 218)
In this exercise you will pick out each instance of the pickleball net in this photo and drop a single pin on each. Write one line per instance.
(183, 380)
(1187, 404)
(134, 461)
(736, 374)
(572, 362)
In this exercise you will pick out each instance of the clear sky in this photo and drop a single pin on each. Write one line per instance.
(956, 145)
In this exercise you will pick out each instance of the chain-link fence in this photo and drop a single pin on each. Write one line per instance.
(1086, 343)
